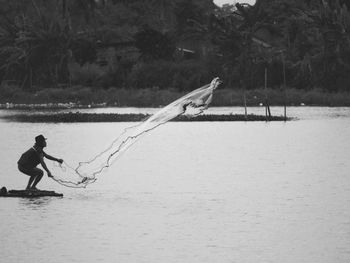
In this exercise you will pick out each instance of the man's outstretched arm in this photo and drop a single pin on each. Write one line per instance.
(52, 158)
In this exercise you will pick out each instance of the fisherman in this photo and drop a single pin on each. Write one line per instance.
(31, 158)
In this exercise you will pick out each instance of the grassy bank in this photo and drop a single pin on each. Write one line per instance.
(12, 97)
(112, 117)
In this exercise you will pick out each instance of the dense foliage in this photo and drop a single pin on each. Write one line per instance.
(178, 44)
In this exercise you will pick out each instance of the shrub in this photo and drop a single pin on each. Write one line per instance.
(315, 97)
(341, 99)
(87, 75)
(53, 95)
(7, 91)
(186, 75)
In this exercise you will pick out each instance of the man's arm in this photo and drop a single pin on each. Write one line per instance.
(52, 158)
(43, 164)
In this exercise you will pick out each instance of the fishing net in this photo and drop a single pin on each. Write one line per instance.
(86, 172)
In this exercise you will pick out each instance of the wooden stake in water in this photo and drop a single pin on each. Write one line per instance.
(267, 106)
(285, 87)
(245, 105)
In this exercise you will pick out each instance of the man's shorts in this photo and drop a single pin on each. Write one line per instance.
(30, 171)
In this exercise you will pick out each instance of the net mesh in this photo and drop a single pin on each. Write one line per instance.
(192, 104)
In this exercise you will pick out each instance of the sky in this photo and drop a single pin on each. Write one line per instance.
(221, 2)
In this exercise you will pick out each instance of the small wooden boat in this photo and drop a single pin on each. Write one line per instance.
(27, 193)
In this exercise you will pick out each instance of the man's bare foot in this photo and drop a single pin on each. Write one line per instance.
(34, 189)
(28, 188)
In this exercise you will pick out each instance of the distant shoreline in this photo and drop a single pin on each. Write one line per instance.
(115, 117)
(87, 97)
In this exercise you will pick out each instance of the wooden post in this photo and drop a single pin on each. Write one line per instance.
(245, 105)
(285, 87)
(267, 106)
(265, 94)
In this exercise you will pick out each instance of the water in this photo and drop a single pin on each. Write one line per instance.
(188, 192)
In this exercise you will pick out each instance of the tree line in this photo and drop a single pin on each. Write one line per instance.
(179, 44)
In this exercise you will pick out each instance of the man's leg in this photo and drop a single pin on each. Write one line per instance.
(39, 175)
(31, 179)
(35, 176)
(31, 172)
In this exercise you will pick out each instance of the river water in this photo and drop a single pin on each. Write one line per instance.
(188, 192)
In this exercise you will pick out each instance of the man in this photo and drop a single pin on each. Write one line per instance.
(31, 158)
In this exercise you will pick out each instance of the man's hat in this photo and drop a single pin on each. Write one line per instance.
(40, 138)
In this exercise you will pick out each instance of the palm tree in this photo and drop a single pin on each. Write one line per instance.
(36, 47)
(332, 60)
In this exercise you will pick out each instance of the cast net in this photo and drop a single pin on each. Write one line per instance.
(192, 104)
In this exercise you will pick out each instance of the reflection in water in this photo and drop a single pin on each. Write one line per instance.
(38, 203)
